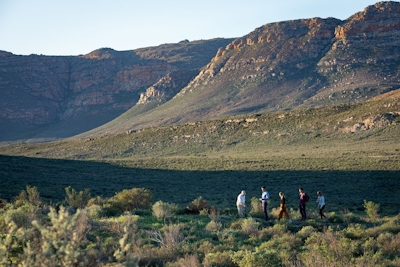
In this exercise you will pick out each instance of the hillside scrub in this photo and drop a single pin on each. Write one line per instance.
(37, 233)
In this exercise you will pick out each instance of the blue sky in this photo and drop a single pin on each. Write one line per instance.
(73, 27)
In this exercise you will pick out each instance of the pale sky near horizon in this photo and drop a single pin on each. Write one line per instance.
(75, 27)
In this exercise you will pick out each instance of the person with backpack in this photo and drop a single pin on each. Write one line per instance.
(304, 198)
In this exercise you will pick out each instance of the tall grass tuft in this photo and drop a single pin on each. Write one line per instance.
(371, 209)
(76, 199)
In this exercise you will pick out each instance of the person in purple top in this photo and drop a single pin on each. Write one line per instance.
(264, 200)
(303, 199)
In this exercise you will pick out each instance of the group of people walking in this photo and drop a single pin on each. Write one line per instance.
(303, 199)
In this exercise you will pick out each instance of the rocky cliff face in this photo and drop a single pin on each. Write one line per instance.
(62, 96)
(167, 87)
(308, 62)
(364, 57)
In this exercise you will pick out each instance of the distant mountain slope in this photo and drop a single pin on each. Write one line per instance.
(52, 97)
(373, 124)
(286, 65)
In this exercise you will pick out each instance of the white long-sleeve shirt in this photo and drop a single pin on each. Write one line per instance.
(241, 200)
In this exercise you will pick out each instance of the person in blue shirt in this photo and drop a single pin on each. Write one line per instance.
(264, 200)
(321, 204)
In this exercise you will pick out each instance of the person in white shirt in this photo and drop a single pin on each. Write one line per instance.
(241, 203)
(264, 200)
(321, 204)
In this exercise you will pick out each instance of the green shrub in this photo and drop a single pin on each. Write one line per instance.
(204, 212)
(30, 195)
(214, 214)
(135, 198)
(187, 261)
(355, 231)
(328, 249)
(246, 258)
(113, 207)
(256, 208)
(57, 243)
(390, 243)
(96, 201)
(124, 254)
(250, 226)
(286, 241)
(350, 217)
(76, 199)
(333, 217)
(219, 259)
(198, 204)
(22, 216)
(306, 231)
(371, 209)
(162, 210)
(95, 212)
(9, 243)
(205, 246)
(214, 226)
(170, 237)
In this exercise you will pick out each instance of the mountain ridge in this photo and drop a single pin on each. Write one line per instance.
(64, 95)
(283, 65)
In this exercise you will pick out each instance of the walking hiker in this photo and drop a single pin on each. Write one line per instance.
(241, 203)
(303, 199)
(282, 207)
(264, 200)
(321, 204)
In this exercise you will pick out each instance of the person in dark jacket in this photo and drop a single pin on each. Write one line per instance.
(303, 199)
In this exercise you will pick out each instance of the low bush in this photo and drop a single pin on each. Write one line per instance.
(246, 258)
(135, 198)
(250, 226)
(214, 226)
(219, 259)
(187, 261)
(306, 231)
(162, 210)
(197, 205)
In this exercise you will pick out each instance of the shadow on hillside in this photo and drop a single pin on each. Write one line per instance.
(342, 189)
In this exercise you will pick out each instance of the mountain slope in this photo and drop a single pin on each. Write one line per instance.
(366, 129)
(53, 97)
(287, 65)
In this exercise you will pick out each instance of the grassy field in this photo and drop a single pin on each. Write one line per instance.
(219, 182)
(308, 148)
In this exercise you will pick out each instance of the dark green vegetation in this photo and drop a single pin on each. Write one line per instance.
(343, 189)
(350, 152)
(128, 230)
